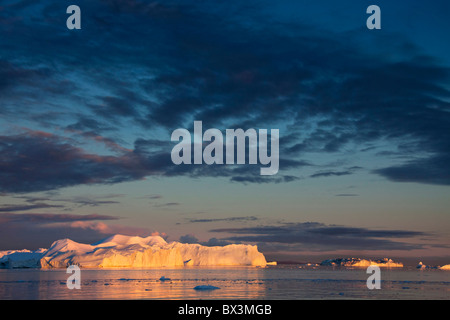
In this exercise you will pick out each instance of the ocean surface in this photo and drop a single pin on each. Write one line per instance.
(287, 282)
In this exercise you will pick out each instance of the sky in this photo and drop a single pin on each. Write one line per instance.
(86, 118)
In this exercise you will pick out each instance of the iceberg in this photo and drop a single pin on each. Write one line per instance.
(358, 262)
(20, 258)
(230, 255)
(422, 266)
(205, 288)
(121, 251)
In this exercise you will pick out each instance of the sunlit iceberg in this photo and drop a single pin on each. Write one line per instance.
(422, 266)
(121, 251)
(357, 262)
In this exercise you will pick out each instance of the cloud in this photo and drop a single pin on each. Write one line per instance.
(346, 172)
(188, 238)
(263, 179)
(431, 170)
(331, 173)
(153, 197)
(168, 204)
(213, 242)
(321, 237)
(38, 161)
(51, 217)
(11, 208)
(230, 219)
(79, 201)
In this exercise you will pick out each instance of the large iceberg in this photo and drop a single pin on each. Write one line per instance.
(357, 262)
(121, 251)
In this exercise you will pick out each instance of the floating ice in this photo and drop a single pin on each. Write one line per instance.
(422, 266)
(121, 251)
(205, 288)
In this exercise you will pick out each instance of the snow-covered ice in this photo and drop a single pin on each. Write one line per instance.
(20, 258)
(121, 251)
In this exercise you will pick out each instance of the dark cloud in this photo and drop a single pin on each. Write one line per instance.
(213, 242)
(153, 197)
(167, 205)
(79, 201)
(84, 123)
(331, 173)
(156, 155)
(318, 236)
(263, 179)
(432, 170)
(38, 161)
(230, 219)
(347, 171)
(188, 238)
(12, 208)
(50, 217)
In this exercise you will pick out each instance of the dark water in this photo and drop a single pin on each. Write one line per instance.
(274, 282)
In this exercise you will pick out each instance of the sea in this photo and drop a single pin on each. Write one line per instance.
(282, 282)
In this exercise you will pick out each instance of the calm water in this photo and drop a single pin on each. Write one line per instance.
(277, 282)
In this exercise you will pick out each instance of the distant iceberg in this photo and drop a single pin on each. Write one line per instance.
(357, 262)
(422, 266)
(121, 251)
